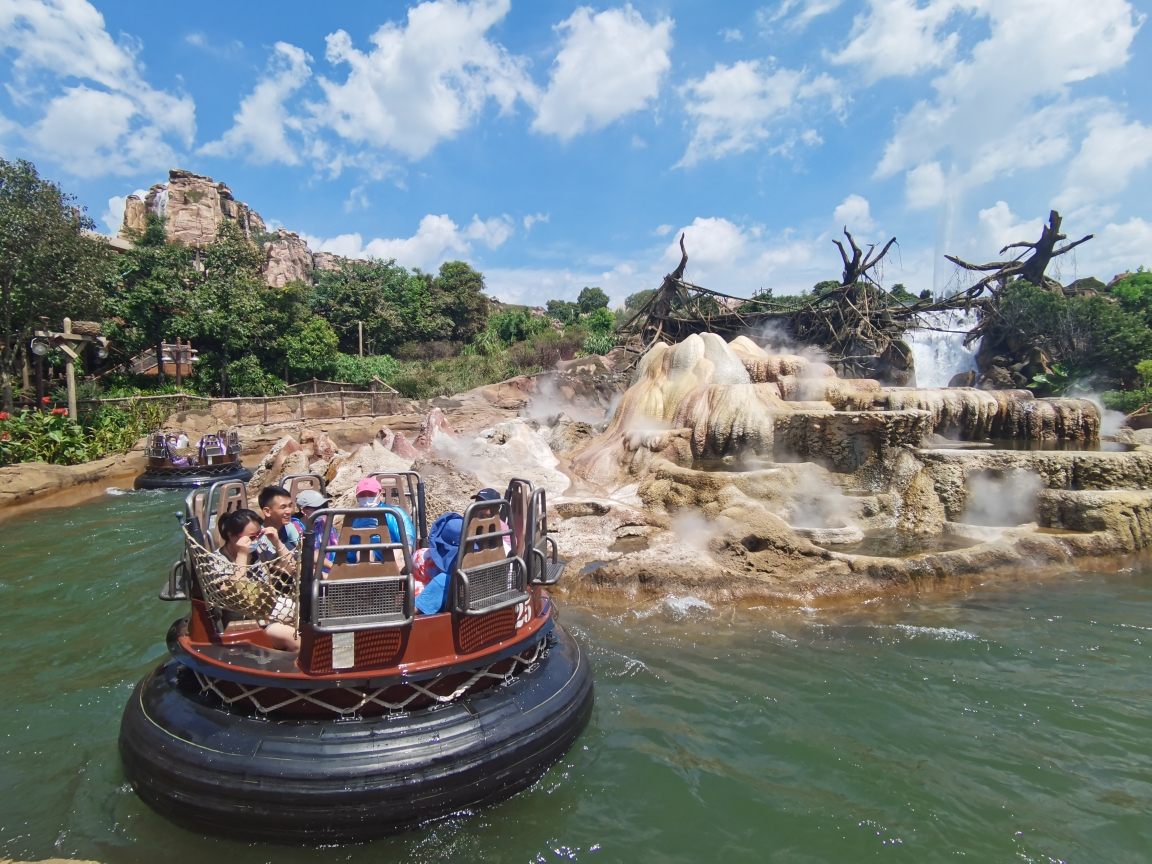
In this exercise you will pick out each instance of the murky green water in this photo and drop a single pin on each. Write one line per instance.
(1008, 723)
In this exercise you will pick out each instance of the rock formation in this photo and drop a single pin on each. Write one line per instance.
(289, 259)
(193, 206)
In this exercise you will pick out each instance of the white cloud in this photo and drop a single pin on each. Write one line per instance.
(610, 64)
(732, 35)
(805, 11)
(1007, 104)
(113, 122)
(855, 214)
(259, 127)
(533, 218)
(735, 108)
(436, 240)
(422, 82)
(663, 230)
(113, 217)
(925, 186)
(900, 37)
(999, 226)
(1109, 155)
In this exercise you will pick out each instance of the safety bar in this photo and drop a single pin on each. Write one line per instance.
(346, 601)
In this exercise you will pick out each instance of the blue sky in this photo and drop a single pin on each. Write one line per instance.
(555, 145)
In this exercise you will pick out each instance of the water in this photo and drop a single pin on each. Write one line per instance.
(1009, 722)
(904, 544)
(938, 356)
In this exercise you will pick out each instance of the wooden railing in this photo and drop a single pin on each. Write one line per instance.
(379, 403)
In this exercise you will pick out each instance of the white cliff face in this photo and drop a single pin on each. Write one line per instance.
(941, 355)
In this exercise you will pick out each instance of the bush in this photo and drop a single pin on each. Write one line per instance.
(360, 370)
(513, 325)
(600, 343)
(247, 378)
(309, 348)
(428, 350)
(52, 437)
(1081, 333)
(601, 321)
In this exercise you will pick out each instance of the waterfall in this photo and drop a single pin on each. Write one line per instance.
(939, 356)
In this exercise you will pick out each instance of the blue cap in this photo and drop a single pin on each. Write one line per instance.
(444, 540)
(487, 494)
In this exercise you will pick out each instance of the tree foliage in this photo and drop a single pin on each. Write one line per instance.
(48, 266)
(591, 299)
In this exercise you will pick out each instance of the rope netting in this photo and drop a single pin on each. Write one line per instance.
(267, 591)
(528, 661)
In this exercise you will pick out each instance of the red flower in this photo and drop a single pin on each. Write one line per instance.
(59, 410)
(45, 400)
(4, 436)
(3, 415)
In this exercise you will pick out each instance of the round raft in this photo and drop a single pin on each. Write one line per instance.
(385, 718)
(215, 459)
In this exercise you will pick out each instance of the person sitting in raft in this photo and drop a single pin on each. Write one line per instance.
(241, 530)
(433, 565)
(308, 502)
(368, 492)
(276, 505)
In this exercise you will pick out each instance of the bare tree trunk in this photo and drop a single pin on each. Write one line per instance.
(159, 362)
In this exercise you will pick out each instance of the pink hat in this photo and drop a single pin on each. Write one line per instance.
(368, 486)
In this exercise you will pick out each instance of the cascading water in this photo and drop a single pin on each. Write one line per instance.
(939, 352)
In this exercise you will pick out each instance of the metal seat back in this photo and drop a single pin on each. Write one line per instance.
(234, 442)
(211, 447)
(405, 489)
(370, 584)
(485, 577)
(196, 512)
(543, 566)
(157, 446)
(297, 483)
(519, 498)
(223, 497)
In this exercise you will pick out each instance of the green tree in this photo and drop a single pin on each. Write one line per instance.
(635, 301)
(147, 290)
(602, 321)
(310, 348)
(591, 299)
(461, 291)
(48, 266)
(225, 304)
(563, 311)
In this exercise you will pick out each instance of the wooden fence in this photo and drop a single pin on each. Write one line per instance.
(262, 410)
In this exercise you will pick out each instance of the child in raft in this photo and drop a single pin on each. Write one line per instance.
(241, 530)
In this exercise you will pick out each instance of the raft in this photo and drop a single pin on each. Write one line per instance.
(216, 459)
(385, 719)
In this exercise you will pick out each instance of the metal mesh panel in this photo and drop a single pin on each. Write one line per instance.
(348, 602)
(492, 585)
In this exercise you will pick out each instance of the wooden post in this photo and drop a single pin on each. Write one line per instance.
(39, 361)
(393, 402)
(24, 371)
(343, 416)
(360, 335)
(265, 410)
(179, 364)
(159, 362)
(70, 372)
(301, 407)
(315, 389)
(238, 418)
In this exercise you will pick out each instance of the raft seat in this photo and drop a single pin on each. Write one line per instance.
(543, 566)
(485, 577)
(365, 587)
(223, 497)
(297, 483)
(404, 490)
